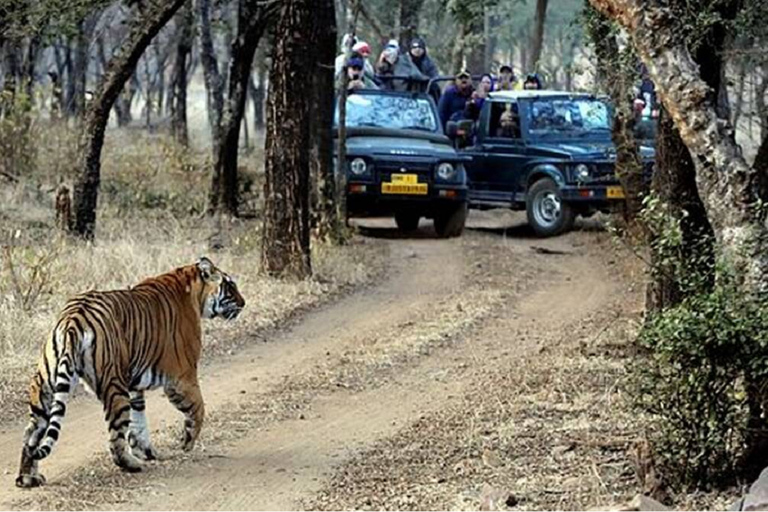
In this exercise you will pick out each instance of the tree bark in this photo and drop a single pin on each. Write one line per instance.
(329, 224)
(727, 185)
(184, 41)
(674, 183)
(146, 23)
(80, 62)
(537, 40)
(213, 84)
(286, 233)
(409, 21)
(252, 19)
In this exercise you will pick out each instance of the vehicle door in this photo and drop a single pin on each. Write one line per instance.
(502, 150)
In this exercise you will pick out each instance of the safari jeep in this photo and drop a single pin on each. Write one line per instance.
(546, 152)
(400, 163)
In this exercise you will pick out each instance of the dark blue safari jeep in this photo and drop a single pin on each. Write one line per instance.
(400, 163)
(549, 153)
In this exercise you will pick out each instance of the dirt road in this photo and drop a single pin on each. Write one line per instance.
(293, 419)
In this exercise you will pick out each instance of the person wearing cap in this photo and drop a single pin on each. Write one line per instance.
(392, 63)
(356, 74)
(507, 80)
(363, 49)
(418, 53)
(455, 97)
(419, 57)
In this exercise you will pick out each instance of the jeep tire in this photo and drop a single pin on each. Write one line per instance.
(407, 221)
(547, 213)
(450, 222)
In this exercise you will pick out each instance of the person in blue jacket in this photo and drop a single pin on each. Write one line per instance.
(455, 96)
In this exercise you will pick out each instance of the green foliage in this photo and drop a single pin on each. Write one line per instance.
(702, 362)
(702, 356)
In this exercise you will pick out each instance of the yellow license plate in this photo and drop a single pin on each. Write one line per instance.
(410, 179)
(419, 189)
(614, 193)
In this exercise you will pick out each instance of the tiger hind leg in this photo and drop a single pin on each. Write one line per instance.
(39, 404)
(185, 395)
(117, 407)
(138, 435)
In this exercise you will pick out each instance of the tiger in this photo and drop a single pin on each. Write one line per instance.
(120, 344)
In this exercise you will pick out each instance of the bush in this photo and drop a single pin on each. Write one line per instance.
(696, 381)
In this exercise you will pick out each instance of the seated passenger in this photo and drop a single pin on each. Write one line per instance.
(509, 124)
(455, 97)
(533, 81)
(357, 76)
(393, 64)
(507, 79)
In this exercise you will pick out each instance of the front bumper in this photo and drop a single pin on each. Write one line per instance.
(608, 193)
(367, 199)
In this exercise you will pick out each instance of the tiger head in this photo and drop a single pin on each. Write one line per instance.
(221, 296)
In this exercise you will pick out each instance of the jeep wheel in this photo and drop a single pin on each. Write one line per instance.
(407, 221)
(547, 214)
(450, 222)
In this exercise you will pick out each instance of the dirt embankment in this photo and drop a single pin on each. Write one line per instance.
(481, 371)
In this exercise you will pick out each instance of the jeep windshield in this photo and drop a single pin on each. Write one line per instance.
(569, 117)
(394, 112)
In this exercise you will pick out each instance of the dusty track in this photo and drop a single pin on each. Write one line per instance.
(285, 413)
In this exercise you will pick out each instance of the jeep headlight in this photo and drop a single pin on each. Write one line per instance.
(581, 172)
(446, 171)
(358, 166)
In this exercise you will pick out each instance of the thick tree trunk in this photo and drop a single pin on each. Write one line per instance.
(80, 63)
(213, 84)
(537, 40)
(726, 184)
(409, 21)
(147, 22)
(184, 40)
(286, 242)
(252, 19)
(674, 183)
(329, 224)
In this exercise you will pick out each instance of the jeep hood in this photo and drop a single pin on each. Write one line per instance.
(400, 147)
(580, 150)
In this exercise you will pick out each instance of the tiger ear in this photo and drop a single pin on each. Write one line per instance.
(206, 268)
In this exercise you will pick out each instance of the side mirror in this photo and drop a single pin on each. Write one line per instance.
(451, 129)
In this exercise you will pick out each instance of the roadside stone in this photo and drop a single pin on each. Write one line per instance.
(496, 499)
(562, 449)
(757, 497)
(642, 503)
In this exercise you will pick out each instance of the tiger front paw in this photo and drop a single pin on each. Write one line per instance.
(29, 481)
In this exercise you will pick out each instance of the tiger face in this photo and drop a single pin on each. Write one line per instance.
(221, 296)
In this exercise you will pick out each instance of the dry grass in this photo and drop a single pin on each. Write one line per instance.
(148, 223)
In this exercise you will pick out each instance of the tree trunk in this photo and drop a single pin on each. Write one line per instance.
(618, 81)
(286, 242)
(213, 85)
(80, 62)
(329, 224)
(537, 40)
(674, 183)
(409, 21)
(184, 39)
(252, 19)
(148, 20)
(727, 185)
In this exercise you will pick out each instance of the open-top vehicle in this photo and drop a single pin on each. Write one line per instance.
(549, 153)
(400, 163)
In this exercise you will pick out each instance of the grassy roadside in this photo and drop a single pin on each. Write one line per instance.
(149, 222)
